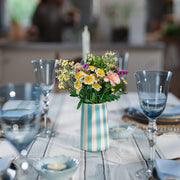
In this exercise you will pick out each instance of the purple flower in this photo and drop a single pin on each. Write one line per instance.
(114, 67)
(122, 72)
(85, 65)
(77, 70)
(72, 78)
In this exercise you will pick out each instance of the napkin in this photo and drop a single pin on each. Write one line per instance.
(169, 168)
(4, 164)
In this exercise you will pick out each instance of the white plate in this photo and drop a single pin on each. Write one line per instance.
(71, 163)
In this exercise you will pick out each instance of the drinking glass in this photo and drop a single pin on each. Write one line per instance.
(122, 60)
(45, 77)
(20, 114)
(152, 88)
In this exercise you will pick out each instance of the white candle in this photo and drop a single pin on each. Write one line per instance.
(85, 43)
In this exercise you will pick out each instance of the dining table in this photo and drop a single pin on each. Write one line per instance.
(124, 157)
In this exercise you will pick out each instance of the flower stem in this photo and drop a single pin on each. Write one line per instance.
(103, 95)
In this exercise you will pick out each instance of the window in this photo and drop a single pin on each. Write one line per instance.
(20, 11)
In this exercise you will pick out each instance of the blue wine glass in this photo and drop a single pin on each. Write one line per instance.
(45, 77)
(20, 115)
(152, 88)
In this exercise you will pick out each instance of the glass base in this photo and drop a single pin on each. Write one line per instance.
(47, 133)
(144, 173)
(24, 168)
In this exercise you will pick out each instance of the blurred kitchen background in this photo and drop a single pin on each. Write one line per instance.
(148, 29)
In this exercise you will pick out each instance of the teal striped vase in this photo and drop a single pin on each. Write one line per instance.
(94, 127)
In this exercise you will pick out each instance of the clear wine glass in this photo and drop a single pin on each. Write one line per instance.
(20, 115)
(122, 60)
(152, 88)
(45, 77)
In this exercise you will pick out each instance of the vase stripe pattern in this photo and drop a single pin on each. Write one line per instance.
(106, 127)
(89, 131)
(94, 127)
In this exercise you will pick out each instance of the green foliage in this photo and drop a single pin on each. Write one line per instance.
(172, 30)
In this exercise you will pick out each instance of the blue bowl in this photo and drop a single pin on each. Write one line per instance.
(71, 166)
(121, 131)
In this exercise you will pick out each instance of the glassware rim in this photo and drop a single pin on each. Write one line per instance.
(45, 60)
(153, 71)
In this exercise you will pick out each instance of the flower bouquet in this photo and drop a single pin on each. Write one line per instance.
(95, 82)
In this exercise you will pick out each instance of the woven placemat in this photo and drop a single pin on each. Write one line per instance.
(134, 122)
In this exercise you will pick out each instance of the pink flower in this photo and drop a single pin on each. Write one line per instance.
(112, 77)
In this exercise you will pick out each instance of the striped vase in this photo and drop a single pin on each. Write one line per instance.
(94, 127)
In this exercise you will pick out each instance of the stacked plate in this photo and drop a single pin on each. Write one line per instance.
(171, 115)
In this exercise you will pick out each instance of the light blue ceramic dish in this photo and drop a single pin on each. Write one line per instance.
(122, 131)
(71, 163)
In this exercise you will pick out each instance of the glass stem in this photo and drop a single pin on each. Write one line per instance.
(46, 108)
(152, 128)
(22, 162)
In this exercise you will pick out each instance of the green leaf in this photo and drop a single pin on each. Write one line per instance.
(108, 84)
(93, 97)
(110, 97)
(79, 104)
(73, 94)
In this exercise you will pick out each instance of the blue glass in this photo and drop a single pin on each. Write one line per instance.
(20, 115)
(152, 88)
(153, 108)
(45, 77)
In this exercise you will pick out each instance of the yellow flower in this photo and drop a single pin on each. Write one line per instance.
(77, 91)
(60, 62)
(77, 84)
(64, 71)
(100, 72)
(91, 68)
(61, 77)
(66, 78)
(86, 72)
(112, 89)
(60, 86)
(124, 81)
(95, 77)
(89, 79)
(71, 63)
(79, 75)
(65, 63)
(96, 86)
(78, 66)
